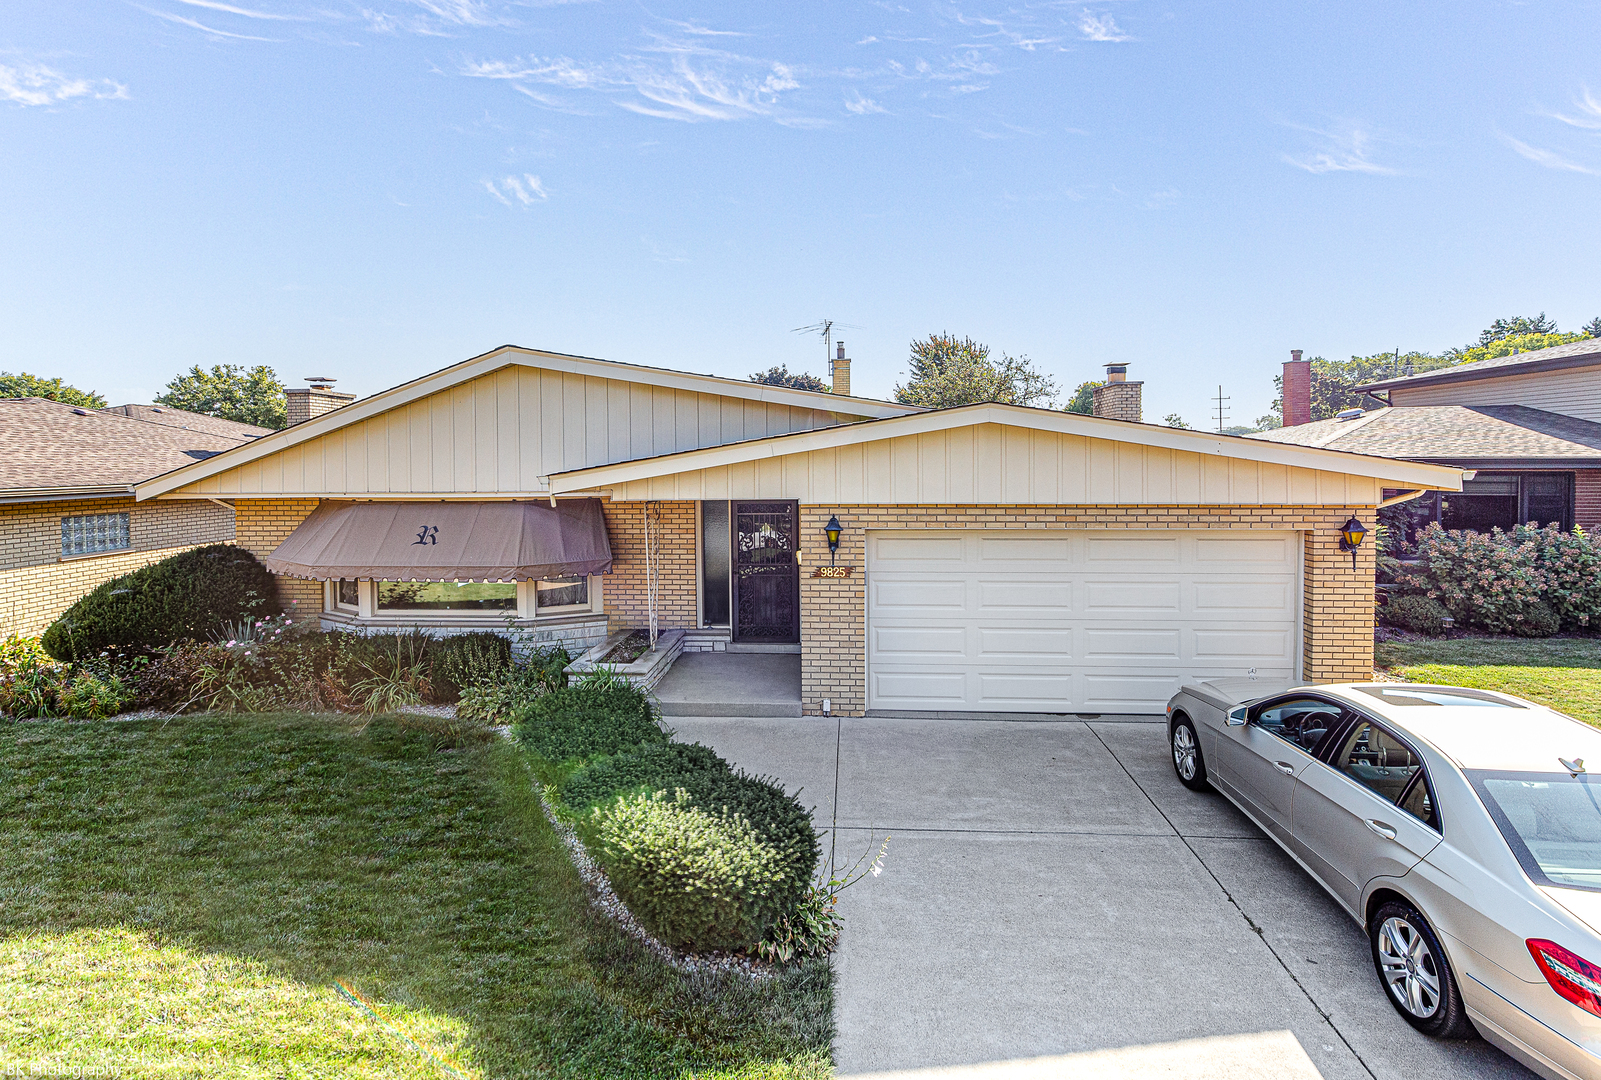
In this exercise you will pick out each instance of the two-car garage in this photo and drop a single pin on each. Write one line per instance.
(1074, 620)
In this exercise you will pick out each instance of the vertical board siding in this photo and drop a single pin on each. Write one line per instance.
(991, 465)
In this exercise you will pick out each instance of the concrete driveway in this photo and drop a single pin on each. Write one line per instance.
(1055, 903)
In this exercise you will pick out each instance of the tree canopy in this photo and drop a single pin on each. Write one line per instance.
(232, 392)
(1083, 399)
(1517, 326)
(946, 371)
(24, 385)
(780, 375)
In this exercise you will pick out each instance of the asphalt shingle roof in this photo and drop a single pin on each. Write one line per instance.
(45, 444)
(1453, 433)
(1574, 352)
(182, 418)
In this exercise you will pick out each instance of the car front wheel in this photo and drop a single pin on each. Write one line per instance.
(1187, 759)
(1413, 968)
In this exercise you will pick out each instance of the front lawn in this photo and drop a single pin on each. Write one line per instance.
(179, 899)
(1564, 673)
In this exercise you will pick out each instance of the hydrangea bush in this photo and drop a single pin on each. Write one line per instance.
(1530, 581)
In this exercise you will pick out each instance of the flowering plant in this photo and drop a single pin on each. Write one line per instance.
(1531, 581)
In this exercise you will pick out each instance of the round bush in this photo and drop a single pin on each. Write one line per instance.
(1418, 613)
(1539, 620)
(580, 722)
(695, 879)
(188, 596)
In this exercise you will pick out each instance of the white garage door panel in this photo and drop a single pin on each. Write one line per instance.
(1078, 621)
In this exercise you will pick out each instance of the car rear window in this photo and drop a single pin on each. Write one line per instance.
(1552, 823)
(1402, 694)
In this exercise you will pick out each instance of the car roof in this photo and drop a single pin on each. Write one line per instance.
(1524, 738)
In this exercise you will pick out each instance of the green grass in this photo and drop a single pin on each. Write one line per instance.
(1564, 673)
(177, 900)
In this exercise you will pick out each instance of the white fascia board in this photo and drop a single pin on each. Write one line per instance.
(56, 494)
(478, 366)
(1402, 473)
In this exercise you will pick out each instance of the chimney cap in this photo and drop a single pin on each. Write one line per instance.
(1116, 372)
(1295, 356)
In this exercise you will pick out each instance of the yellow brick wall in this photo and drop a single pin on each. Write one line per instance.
(263, 524)
(1337, 637)
(623, 591)
(37, 585)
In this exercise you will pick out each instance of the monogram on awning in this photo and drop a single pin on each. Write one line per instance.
(447, 541)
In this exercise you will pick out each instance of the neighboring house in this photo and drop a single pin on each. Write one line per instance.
(992, 557)
(1529, 425)
(68, 519)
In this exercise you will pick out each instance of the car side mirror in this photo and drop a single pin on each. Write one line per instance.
(1236, 717)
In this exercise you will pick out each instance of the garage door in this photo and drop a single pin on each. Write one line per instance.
(1074, 621)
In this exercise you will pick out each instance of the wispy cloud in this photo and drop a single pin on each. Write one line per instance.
(1100, 28)
(203, 28)
(36, 84)
(1347, 150)
(526, 190)
(437, 18)
(999, 31)
(862, 106)
(1589, 117)
(702, 31)
(671, 80)
(1548, 158)
(213, 5)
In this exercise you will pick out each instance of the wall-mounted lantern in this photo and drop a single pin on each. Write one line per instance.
(832, 531)
(1352, 533)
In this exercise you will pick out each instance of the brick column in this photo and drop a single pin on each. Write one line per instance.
(1337, 602)
(833, 615)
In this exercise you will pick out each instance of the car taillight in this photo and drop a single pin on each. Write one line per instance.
(1574, 977)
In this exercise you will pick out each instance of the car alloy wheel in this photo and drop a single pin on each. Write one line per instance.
(1416, 973)
(1187, 759)
(1410, 970)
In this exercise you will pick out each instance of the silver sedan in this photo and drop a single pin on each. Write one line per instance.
(1459, 827)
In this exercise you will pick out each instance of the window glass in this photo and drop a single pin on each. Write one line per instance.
(1377, 760)
(714, 571)
(88, 534)
(561, 592)
(447, 596)
(347, 593)
(1551, 822)
(1303, 722)
(1420, 804)
(1545, 499)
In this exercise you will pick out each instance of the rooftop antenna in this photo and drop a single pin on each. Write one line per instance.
(1222, 409)
(826, 328)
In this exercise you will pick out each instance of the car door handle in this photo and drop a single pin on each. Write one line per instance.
(1285, 767)
(1386, 831)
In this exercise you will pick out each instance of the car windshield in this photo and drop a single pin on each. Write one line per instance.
(1552, 823)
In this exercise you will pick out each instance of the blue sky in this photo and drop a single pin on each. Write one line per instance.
(375, 189)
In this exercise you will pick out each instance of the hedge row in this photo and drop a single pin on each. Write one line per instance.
(706, 856)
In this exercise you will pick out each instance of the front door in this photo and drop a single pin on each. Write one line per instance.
(766, 572)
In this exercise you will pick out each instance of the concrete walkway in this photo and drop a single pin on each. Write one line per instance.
(1055, 904)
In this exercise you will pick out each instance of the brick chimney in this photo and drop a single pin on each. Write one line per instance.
(1119, 399)
(1297, 390)
(840, 371)
(314, 400)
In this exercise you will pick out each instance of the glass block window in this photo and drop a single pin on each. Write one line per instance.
(90, 534)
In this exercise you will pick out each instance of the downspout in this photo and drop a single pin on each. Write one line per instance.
(1405, 496)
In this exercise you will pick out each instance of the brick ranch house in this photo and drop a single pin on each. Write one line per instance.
(991, 557)
(68, 519)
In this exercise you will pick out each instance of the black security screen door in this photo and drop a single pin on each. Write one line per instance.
(766, 573)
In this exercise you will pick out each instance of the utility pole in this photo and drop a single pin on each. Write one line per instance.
(1222, 409)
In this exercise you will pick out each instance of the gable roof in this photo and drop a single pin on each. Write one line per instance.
(1585, 353)
(168, 416)
(47, 447)
(1466, 434)
(1016, 416)
(511, 356)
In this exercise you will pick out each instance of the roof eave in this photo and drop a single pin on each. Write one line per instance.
(1448, 375)
(58, 494)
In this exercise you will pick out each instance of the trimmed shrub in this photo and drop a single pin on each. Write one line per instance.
(1419, 613)
(584, 722)
(1530, 581)
(188, 596)
(695, 879)
(713, 786)
(1539, 620)
(463, 659)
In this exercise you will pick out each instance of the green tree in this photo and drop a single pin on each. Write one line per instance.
(1512, 343)
(1083, 400)
(1517, 326)
(1172, 419)
(24, 385)
(1593, 327)
(779, 375)
(946, 372)
(1334, 382)
(249, 396)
